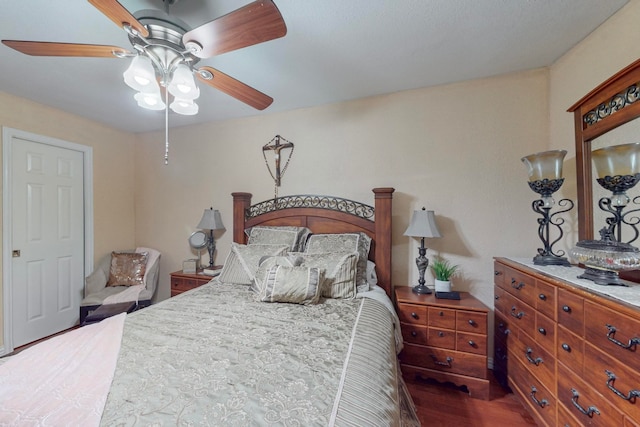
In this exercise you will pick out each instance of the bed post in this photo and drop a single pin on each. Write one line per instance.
(241, 202)
(383, 212)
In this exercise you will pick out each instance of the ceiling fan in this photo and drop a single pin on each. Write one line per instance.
(170, 49)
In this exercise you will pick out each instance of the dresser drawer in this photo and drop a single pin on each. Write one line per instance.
(471, 343)
(501, 300)
(533, 393)
(613, 380)
(182, 285)
(545, 334)
(502, 328)
(570, 350)
(442, 318)
(498, 273)
(614, 333)
(441, 338)
(565, 418)
(584, 403)
(445, 360)
(546, 299)
(536, 360)
(471, 321)
(416, 334)
(523, 316)
(409, 313)
(520, 285)
(571, 312)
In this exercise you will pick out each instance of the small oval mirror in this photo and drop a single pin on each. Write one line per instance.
(198, 240)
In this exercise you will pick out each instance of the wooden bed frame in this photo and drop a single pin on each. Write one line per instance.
(325, 214)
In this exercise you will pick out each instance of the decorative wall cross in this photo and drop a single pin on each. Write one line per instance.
(277, 146)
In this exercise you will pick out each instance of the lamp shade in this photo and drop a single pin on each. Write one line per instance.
(186, 107)
(617, 160)
(182, 83)
(150, 100)
(423, 224)
(544, 165)
(141, 75)
(211, 220)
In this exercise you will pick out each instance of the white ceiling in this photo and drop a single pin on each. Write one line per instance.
(334, 50)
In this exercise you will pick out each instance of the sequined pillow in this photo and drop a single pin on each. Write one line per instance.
(127, 268)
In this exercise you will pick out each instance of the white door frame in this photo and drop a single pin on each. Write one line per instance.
(7, 235)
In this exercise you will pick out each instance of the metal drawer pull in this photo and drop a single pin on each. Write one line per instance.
(415, 315)
(441, 313)
(440, 334)
(566, 347)
(632, 342)
(471, 322)
(502, 329)
(497, 273)
(414, 334)
(541, 403)
(543, 331)
(518, 286)
(537, 361)
(437, 362)
(500, 354)
(516, 315)
(543, 297)
(589, 411)
(631, 396)
(566, 309)
(472, 344)
(497, 297)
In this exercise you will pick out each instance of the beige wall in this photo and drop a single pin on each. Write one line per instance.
(455, 149)
(113, 165)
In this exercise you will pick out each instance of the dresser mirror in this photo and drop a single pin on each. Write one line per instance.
(605, 116)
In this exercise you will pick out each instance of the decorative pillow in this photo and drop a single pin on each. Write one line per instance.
(295, 237)
(300, 285)
(345, 242)
(242, 262)
(340, 272)
(257, 285)
(127, 268)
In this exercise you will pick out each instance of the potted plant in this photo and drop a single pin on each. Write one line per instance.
(444, 271)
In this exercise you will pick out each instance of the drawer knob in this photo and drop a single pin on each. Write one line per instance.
(543, 297)
(502, 327)
(543, 331)
(497, 297)
(541, 403)
(414, 334)
(441, 313)
(518, 286)
(415, 315)
(472, 344)
(516, 315)
(566, 309)
(589, 411)
(566, 347)
(537, 361)
(497, 273)
(629, 396)
(471, 322)
(441, 334)
(611, 337)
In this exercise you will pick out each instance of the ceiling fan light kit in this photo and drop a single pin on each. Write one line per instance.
(166, 51)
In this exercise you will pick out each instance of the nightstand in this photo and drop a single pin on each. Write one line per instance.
(445, 340)
(182, 282)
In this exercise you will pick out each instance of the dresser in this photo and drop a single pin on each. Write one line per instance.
(567, 348)
(445, 340)
(182, 282)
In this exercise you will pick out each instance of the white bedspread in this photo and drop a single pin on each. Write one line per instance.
(63, 381)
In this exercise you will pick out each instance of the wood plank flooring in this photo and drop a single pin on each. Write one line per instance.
(445, 405)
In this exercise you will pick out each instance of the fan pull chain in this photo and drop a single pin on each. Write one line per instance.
(166, 125)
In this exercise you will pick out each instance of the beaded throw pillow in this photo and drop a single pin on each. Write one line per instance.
(127, 268)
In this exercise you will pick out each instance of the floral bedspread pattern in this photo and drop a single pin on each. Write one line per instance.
(214, 356)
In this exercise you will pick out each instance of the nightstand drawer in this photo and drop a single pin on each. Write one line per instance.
(414, 333)
(442, 318)
(471, 321)
(409, 313)
(445, 360)
(441, 338)
(471, 343)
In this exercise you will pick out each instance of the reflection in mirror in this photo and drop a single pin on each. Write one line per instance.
(625, 134)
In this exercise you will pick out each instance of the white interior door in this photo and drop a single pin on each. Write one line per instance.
(47, 238)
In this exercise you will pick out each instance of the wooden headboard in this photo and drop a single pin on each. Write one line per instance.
(325, 214)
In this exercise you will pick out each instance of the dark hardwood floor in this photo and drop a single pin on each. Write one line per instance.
(445, 405)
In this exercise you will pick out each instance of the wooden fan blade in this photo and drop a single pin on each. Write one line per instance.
(118, 14)
(236, 88)
(63, 49)
(254, 23)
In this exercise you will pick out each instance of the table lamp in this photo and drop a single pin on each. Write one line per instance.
(423, 224)
(211, 220)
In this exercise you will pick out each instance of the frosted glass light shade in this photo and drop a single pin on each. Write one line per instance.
(182, 84)
(617, 160)
(150, 101)
(185, 107)
(141, 75)
(544, 165)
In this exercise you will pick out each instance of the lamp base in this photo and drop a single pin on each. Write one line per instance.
(602, 277)
(551, 260)
(422, 290)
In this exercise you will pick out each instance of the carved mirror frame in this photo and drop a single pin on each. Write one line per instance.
(611, 104)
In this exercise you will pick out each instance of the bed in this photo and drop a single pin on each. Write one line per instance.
(224, 354)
